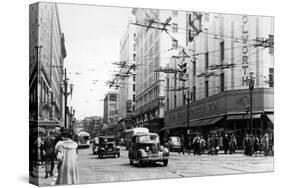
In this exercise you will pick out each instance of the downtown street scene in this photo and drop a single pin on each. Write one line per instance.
(122, 94)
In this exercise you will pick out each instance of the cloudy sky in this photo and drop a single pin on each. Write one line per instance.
(92, 37)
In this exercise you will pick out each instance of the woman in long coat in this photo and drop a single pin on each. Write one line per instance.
(67, 160)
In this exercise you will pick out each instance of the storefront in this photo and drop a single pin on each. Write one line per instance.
(223, 113)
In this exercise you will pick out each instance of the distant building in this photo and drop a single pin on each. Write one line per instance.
(46, 57)
(110, 115)
(127, 82)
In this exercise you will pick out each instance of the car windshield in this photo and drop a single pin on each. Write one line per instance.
(147, 139)
(175, 139)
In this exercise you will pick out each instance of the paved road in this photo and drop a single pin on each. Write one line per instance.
(94, 170)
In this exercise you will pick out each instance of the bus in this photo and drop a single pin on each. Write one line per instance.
(131, 132)
(83, 139)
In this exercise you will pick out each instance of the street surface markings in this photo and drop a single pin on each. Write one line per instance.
(177, 173)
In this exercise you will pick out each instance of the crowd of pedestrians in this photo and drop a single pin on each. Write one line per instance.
(52, 147)
(228, 144)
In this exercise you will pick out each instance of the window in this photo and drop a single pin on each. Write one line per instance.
(271, 77)
(134, 77)
(134, 46)
(134, 87)
(134, 98)
(135, 36)
(222, 82)
(175, 27)
(134, 57)
(207, 88)
(222, 50)
(194, 93)
(207, 60)
(194, 68)
(174, 44)
(175, 13)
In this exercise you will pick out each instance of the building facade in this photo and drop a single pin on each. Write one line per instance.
(127, 81)
(46, 55)
(221, 57)
(110, 115)
(154, 51)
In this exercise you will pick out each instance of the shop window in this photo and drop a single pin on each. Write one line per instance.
(271, 77)
(222, 82)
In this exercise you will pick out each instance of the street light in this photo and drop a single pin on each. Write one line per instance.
(251, 87)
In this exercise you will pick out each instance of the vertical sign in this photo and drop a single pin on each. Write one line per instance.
(245, 50)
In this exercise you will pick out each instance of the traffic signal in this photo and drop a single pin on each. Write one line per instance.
(182, 67)
(247, 109)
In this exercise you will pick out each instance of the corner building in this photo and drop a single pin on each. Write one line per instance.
(46, 58)
(220, 95)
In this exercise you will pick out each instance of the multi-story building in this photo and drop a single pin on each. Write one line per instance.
(110, 115)
(127, 77)
(222, 55)
(154, 46)
(46, 56)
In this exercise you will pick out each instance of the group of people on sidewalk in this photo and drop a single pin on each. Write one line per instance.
(228, 143)
(51, 146)
(256, 145)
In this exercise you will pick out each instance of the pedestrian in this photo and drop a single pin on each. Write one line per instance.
(202, 145)
(182, 142)
(266, 144)
(221, 142)
(66, 152)
(39, 153)
(225, 143)
(32, 153)
(256, 145)
(251, 148)
(196, 144)
(189, 145)
(209, 144)
(246, 145)
(232, 144)
(49, 148)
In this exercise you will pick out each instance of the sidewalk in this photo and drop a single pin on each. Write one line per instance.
(39, 176)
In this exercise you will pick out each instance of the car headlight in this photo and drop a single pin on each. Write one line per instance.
(147, 148)
(161, 148)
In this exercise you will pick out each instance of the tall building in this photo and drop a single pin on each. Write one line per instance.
(127, 79)
(222, 55)
(154, 47)
(110, 115)
(46, 56)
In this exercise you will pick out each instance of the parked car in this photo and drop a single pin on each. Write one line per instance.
(174, 143)
(95, 145)
(145, 148)
(108, 147)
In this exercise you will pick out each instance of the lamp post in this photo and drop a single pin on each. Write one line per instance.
(187, 97)
(66, 93)
(251, 87)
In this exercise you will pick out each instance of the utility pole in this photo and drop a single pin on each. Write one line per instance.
(66, 93)
(187, 97)
(251, 87)
(65, 99)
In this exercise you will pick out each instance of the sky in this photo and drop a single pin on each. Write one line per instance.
(92, 38)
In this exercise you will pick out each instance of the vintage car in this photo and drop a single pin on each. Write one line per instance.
(146, 148)
(108, 147)
(174, 143)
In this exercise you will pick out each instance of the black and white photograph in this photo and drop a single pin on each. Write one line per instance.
(122, 94)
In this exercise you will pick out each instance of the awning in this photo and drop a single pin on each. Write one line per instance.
(243, 116)
(174, 126)
(197, 123)
(48, 124)
(210, 121)
(270, 117)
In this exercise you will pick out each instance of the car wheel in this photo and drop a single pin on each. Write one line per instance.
(140, 163)
(131, 162)
(118, 155)
(165, 162)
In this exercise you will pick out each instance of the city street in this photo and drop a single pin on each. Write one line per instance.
(94, 170)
